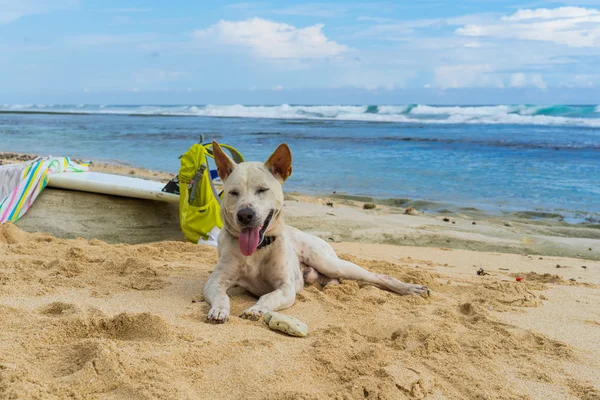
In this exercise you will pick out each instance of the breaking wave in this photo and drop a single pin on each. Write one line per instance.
(560, 115)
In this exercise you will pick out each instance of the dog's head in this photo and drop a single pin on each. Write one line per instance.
(253, 196)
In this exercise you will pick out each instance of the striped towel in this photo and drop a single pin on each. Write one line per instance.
(33, 179)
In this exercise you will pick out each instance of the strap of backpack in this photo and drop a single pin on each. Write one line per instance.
(236, 156)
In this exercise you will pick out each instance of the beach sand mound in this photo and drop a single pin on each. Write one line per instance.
(10, 234)
(543, 278)
(546, 278)
(85, 319)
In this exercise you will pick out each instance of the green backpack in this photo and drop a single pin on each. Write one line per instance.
(199, 203)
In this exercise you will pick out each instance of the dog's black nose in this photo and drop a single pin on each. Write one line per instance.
(246, 215)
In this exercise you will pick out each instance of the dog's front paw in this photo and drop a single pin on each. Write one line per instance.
(252, 313)
(218, 315)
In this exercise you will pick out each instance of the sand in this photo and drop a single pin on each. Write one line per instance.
(86, 319)
(120, 319)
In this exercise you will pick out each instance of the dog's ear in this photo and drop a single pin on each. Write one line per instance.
(224, 164)
(280, 163)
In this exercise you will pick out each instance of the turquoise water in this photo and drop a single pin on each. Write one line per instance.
(506, 157)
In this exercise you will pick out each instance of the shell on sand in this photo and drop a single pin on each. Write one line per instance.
(286, 324)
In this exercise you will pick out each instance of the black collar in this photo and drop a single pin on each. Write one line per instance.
(267, 240)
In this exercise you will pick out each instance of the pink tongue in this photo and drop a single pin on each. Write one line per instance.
(249, 240)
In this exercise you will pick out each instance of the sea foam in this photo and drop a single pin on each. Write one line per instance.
(553, 115)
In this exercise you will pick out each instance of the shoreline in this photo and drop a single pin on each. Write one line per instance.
(335, 218)
(571, 217)
(562, 217)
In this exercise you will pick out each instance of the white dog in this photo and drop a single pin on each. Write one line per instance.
(259, 253)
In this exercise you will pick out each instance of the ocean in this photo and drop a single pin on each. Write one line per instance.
(498, 158)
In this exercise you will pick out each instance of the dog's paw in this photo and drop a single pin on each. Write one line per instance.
(218, 315)
(403, 288)
(252, 313)
(418, 290)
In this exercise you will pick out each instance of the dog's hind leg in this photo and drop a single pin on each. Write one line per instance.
(312, 276)
(318, 254)
(336, 268)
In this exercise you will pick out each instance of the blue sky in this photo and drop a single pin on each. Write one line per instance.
(426, 51)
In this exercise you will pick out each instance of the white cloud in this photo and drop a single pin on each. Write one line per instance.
(273, 40)
(571, 26)
(11, 10)
(277, 87)
(483, 76)
(538, 82)
(466, 76)
(374, 87)
(427, 86)
(521, 80)
(518, 80)
(554, 13)
(86, 90)
(134, 90)
(583, 81)
(401, 30)
(371, 78)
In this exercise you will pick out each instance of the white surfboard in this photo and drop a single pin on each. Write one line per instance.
(116, 185)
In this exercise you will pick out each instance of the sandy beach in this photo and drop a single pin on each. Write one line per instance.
(452, 145)
(100, 298)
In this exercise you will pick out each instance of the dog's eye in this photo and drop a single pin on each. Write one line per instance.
(261, 190)
(234, 193)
